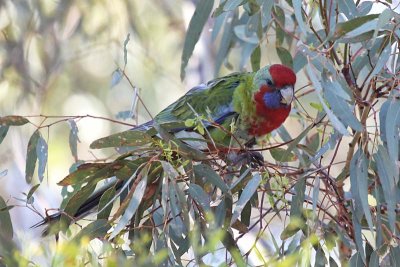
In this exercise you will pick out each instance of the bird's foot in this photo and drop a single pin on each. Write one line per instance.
(252, 158)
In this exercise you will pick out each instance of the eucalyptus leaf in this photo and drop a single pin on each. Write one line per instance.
(116, 77)
(13, 120)
(42, 155)
(196, 25)
(198, 194)
(73, 138)
(132, 207)
(31, 156)
(387, 176)
(95, 229)
(246, 195)
(3, 132)
(6, 228)
(127, 138)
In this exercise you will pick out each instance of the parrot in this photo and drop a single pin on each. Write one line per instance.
(258, 102)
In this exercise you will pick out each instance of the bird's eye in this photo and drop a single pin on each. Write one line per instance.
(269, 82)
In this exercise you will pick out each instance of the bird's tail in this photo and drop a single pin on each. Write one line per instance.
(91, 203)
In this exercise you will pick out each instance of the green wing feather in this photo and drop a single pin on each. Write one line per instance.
(215, 99)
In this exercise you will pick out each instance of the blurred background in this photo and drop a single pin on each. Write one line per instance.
(57, 58)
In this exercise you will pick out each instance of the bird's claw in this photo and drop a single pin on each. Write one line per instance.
(252, 158)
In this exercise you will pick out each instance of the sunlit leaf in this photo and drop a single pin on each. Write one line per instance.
(74, 203)
(127, 138)
(196, 24)
(13, 120)
(281, 155)
(83, 171)
(95, 229)
(343, 28)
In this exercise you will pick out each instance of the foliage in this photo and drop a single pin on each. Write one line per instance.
(182, 205)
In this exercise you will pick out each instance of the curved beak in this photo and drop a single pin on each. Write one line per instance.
(287, 94)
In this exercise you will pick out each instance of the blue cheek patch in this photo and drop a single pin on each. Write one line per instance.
(272, 100)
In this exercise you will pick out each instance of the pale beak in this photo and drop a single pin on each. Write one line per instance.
(287, 93)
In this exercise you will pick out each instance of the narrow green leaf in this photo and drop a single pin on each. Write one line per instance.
(132, 206)
(246, 195)
(205, 171)
(296, 209)
(13, 120)
(3, 132)
(74, 203)
(345, 27)
(31, 192)
(285, 56)
(42, 155)
(95, 229)
(6, 228)
(105, 203)
(255, 59)
(196, 25)
(282, 155)
(31, 156)
(127, 138)
(83, 171)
